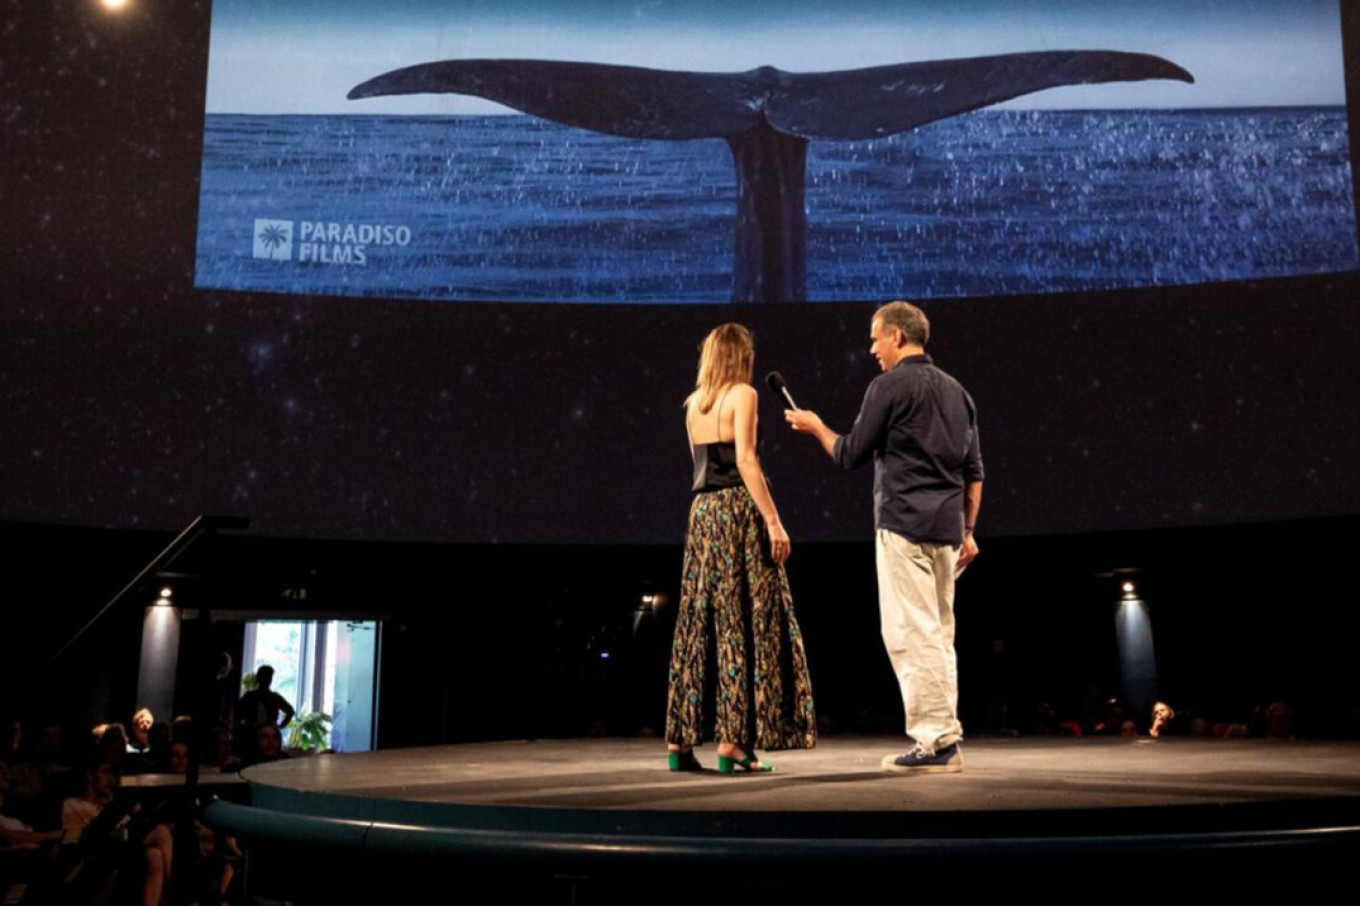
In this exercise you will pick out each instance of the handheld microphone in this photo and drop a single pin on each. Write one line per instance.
(775, 381)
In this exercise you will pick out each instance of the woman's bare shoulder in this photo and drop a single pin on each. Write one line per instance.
(744, 392)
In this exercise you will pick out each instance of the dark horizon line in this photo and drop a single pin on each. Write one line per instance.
(1255, 107)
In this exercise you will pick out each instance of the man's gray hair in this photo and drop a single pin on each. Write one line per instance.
(907, 318)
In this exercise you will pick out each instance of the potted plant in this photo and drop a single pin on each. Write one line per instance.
(307, 732)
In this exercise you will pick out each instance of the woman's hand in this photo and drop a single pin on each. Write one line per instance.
(780, 545)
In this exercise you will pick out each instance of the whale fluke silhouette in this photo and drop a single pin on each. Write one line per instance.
(766, 116)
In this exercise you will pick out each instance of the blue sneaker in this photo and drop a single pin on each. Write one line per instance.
(948, 760)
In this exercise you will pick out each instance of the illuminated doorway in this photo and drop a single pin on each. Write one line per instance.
(329, 666)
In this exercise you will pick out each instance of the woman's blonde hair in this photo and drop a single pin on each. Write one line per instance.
(725, 358)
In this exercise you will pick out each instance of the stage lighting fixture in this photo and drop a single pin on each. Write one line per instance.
(1128, 588)
(114, 4)
(166, 592)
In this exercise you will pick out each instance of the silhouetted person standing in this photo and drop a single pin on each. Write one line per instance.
(262, 705)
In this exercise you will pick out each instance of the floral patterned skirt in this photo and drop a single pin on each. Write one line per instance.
(738, 670)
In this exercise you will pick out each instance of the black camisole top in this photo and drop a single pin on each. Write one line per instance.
(715, 464)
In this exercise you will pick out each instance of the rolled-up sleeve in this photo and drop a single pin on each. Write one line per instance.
(972, 463)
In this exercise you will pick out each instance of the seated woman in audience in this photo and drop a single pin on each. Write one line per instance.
(219, 750)
(268, 744)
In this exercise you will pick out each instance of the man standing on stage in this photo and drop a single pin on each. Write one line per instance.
(920, 428)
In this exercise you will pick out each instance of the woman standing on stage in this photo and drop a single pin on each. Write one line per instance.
(736, 611)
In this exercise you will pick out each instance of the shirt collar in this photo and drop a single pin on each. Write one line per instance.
(922, 359)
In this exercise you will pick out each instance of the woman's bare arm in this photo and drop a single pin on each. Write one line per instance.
(744, 425)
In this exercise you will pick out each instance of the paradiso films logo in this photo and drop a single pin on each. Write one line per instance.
(274, 239)
(323, 241)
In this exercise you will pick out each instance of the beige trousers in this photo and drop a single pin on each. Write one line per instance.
(916, 610)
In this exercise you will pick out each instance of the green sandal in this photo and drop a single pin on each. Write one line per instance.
(683, 761)
(727, 764)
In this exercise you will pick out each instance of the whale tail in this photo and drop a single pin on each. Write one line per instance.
(634, 102)
(767, 116)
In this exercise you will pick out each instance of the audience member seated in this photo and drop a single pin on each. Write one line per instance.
(152, 760)
(40, 780)
(109, 839)
(182, 729)
(220, 752)
(111, 743)
(1112, 722)
(1045, 720)
(176, 759)
(139, 736)
(78, 812)
(1279, 721)
(15, 834)
(1162, 716)
(27, 857)
(213, 858)
(268, 745)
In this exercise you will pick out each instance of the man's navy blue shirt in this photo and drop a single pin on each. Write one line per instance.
(920, 427)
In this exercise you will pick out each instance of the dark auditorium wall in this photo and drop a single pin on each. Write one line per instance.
(401, 453)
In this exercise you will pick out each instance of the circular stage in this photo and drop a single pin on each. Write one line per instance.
(607, 810)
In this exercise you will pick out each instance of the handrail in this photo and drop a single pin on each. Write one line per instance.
(203, 524)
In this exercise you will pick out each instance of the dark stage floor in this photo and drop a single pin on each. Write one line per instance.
(626, 780)
(606, 813)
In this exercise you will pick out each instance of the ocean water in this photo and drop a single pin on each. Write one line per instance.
(514, 208)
